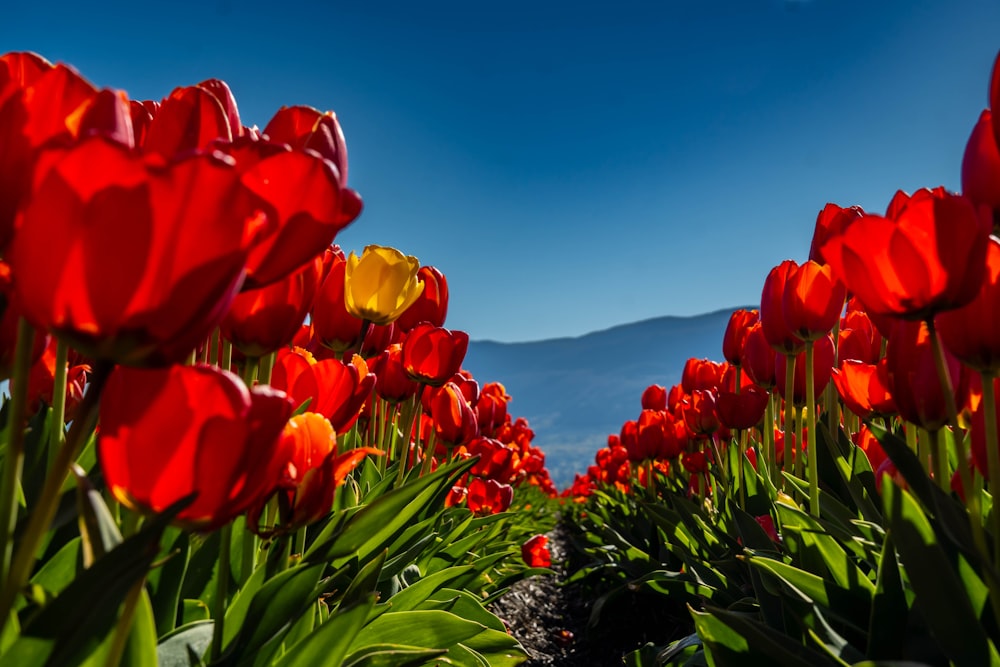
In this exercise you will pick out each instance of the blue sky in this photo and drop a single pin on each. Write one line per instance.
(573, 166)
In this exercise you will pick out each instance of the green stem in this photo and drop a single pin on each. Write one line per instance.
(813, 440)
(57, 434)
(266, 367)
(13, 461)
(124, 626)
(993, 458)
(221, 590)
(789, 410)
(45, 509)
(213, 347)
(425, 465)
(227, 355)
(800, 445)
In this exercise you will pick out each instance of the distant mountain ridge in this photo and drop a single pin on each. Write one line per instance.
(575, 391)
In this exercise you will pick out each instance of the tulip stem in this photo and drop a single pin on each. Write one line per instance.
(939, 457)
(124, 626)
(227, 355)
(213, 347)
(266, 367)
(425, 466)
(57, 433)
(993, 457)
(811, 416)
(221, 590)
(789, 410)
(13, 462)
(800, 448)
(45, 508)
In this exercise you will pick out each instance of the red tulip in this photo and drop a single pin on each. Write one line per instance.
(743, 410)
(41, 383)
(333, 326)
(864, 387)
(489, 496)
(454, 420)
(913, 378)
(10, 315)
(736, 334)
(759, 358)
(981, 165)
(191, 118)
(926, 256)
(772, 310)
(812, 301)
(972, 332)
(859, 339)
(262, 320)
(535, 553)
(335, 389)
(701, 374)
(166, 433)
(866, 442)
(699, 413)
(496, 460)
(432, 304)
(392, 384)
(654, 397)
(131, 262)
(491, 408)
(831, 221)
(432, 355)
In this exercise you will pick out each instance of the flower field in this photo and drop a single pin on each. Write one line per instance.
(228, 441)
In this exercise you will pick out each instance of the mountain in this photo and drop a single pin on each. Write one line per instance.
(575, 391)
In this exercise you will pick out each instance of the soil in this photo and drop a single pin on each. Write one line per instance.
(550, 615)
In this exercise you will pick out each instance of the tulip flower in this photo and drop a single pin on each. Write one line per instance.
(453, 417)
(831, 221)
(701, 374)
(491, 408)
(535, 552)
(926, 256)
(699, 413)
(488, 496)
(381, 284)
(858, 338)
(823, 368)
(167, 433)
(981, 165)
(312, 472)
(262, 320)
(866, 442)
(334, 389)
(192, 118)
(772, 310)
(741, 410)
(432, 304)
(496, 460)
(736, 334)
(654, 397)
(812, 301)
(864, 387)
(759, 358)
(391, 381)
(432, 355)
(972, 332)
(131, 262)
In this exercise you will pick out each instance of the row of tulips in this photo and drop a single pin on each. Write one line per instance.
(170, 289)
(863, 389)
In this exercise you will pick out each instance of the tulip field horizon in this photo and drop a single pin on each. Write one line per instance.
(226, 441)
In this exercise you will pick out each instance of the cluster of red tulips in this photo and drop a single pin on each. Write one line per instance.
(891, 320)
(169, 277)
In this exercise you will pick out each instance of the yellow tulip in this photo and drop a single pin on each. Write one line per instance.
(381, 284)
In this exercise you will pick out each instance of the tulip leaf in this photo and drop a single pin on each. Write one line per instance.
(854, 470)
(60, 570)
(177, 648)
(98, 529)
(735, 640)
(77, 621)
(392, 655)
(141, 648)
(413, 595)
(273, 611)
(365, 582)
(329, 643)
(940, 593)
(165, 581)
(888, 622)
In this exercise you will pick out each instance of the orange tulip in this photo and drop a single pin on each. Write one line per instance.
(812, 301)
(432, 355)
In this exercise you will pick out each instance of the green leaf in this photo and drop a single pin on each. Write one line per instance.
(141, 648)
(411, 596)
(890, 613)
(60, 570)
(328, 644)
(273, 611)
(940, 593)
(427, 629)
(193, 611)
(78, 620)
(176, 648)
(98, 529)
(392, 655)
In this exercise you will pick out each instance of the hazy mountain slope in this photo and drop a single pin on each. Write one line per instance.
(575, 391)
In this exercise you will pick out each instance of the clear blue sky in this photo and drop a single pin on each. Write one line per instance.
(571, 166)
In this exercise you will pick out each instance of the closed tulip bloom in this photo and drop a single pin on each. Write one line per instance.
(491, 408)
(736, 334)
(743, 410)
(701, 374)
(981, 166)
(391, 381)
(972, 332)
(831, 221)
(772, 310)
(191, 118)
(535, 552)
(432, 355)
(759, 357)
(262, 320)
(167, 433)
(858, 338)
(381, 284)
(926, 256)
(654, 397)
(913, 378)
(454, 419)
(333, 326)
(699, 413)
(432, 304)
(813, 301)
